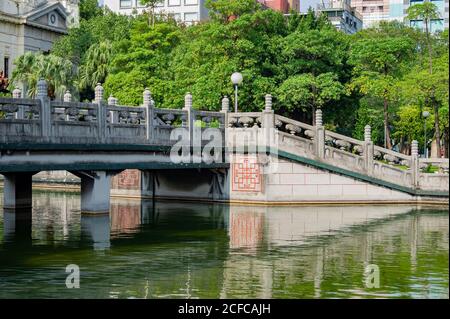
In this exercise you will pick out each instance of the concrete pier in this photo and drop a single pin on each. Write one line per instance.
(17, 191)
(95, 189)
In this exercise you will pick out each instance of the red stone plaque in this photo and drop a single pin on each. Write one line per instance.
(246, 174)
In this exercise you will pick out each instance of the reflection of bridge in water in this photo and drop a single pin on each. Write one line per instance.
(272, 247)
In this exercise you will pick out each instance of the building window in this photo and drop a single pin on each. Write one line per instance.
(6, 67)
(190, 17)
(125, 4)
(436, 25)
(190, 2)
(174, 3)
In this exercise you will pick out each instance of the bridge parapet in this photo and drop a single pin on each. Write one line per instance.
(41, 120)
(340, 151)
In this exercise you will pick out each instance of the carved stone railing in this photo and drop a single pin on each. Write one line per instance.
(295, 135)
(20, 119)
(338, 150)
(41, 120)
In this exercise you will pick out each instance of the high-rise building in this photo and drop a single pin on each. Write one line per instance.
(278, 5)
(374, 11)
(294, 5)
(340, 13)
(188, 11)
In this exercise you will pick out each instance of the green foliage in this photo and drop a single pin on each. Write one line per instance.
(425, 11)
(409, 125)
(308, 92)
(369, 113)
(223, 10)
(89, 9)
(96, 63)
(59, 73)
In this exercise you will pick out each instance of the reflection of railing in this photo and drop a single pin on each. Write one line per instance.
(99, 122)
(314, 142)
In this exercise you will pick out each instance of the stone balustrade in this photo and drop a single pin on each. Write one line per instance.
(363, 157)
(41, 120)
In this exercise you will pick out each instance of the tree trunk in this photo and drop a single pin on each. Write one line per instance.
(387, 143)
(437, 129)
(430, 48)
(313, 115)
(432, 98)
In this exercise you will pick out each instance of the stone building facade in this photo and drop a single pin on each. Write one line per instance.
(32, 25)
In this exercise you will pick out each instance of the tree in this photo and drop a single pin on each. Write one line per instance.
(150, 5)
(225, 10)
(59, 73)
(308, 92)
(419, 86)
(409, 126)
(378, 64)
(95, 65)
(89, 9)
(428, 11)
(313, 51)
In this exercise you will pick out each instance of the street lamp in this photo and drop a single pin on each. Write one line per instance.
(236, 79)
(425, 115)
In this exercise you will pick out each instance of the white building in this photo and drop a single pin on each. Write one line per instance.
(340, 13)
(188, 11)
(32, 25)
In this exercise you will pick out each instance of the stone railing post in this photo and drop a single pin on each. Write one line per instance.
(190, 118)
(148, 105)
(415, 163)
(320, 135)
(225, 109)
(113, 115)
(268, 123)
(67, 98)
(101, 113)
(368, 149)
(17, 94)
(42, 96)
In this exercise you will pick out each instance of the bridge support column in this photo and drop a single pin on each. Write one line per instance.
(95, 190)
(17, 191)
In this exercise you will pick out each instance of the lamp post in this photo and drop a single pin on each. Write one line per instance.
(236, 79)
(425, 115)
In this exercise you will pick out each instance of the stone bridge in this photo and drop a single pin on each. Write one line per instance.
(184, 153)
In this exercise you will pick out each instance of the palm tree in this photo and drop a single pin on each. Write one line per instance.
(96, 64)
(59, 73)
(427, 12)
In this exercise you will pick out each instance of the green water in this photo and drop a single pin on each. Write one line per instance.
(190, 250)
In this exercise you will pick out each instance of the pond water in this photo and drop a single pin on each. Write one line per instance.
(169, 249)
